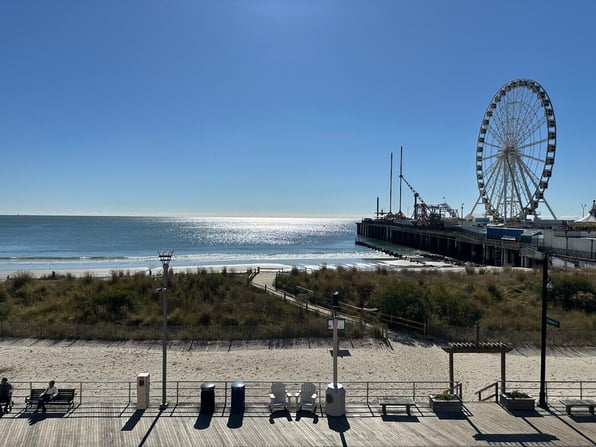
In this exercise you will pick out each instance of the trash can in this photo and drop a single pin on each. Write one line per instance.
(238, 388)
(207, 397)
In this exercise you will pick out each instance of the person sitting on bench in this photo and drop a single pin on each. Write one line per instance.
(49, 394)
(5, 395)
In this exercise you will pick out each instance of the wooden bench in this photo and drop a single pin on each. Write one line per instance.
(582, 403)
(396, 402)
(65, 397)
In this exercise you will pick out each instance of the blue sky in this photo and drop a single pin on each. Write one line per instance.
(273, 107)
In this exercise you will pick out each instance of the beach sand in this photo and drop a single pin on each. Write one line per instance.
(407, 359)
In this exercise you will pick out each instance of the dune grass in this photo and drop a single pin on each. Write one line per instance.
(505, 304)
(201, 306)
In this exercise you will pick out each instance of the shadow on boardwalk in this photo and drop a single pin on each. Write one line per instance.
(482, 424)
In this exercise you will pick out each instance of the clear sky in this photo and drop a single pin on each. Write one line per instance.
(275, 107)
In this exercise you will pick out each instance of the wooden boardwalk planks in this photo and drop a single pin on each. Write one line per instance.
(481, 424)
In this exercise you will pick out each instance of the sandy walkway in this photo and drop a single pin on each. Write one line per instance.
(369, 360)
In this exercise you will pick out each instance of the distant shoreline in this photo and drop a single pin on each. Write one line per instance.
(107, 272)
(418, 263)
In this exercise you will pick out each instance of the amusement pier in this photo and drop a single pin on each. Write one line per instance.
(515, 157)
(570, 245)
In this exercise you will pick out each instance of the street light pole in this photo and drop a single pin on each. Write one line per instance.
(542, 396)
(335, 396)
(335, 342)
(583, 210)
(164, 256)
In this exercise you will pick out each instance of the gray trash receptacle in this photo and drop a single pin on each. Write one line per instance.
(207, 397)
(238, 389)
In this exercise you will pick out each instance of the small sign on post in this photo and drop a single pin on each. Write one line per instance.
(341, 324)
(552, 322)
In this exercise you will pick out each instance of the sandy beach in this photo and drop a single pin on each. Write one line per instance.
(407, 359)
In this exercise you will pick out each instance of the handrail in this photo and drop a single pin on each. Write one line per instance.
(412, 324)
(488, 387)
(554, 389)
(352, 311)
(184, 393)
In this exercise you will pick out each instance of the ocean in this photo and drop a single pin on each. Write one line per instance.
(118, 243)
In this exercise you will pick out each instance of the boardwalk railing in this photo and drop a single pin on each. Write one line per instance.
(256, 393)
(554, 389)
(358, 394)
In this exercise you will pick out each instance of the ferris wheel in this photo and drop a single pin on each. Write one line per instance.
(516, 149)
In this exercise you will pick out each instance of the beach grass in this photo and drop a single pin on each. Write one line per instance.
(503, 304)
(201, 306)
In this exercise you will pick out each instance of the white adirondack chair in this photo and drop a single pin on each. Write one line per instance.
(307, 398)
(278, 397)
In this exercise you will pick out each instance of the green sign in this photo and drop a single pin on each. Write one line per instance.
(552, 322)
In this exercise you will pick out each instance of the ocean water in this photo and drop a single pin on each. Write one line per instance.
(84, 242)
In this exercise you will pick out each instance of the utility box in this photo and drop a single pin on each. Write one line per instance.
(143, 391)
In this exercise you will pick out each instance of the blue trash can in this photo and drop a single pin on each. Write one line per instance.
(238, 389)
(207, 397)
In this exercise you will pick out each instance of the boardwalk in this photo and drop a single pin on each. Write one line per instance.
(482, 424)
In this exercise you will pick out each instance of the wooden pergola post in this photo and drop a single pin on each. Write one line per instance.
(503, 379)
(477, 348)
(451, 379)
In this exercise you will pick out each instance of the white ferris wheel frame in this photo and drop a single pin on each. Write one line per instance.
(516, 150)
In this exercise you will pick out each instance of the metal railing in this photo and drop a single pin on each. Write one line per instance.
(256, 393)
(554, 389)
(105, 393)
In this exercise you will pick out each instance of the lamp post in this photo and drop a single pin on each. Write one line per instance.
(335, 396)
(462, 212)
(335, 341)
(546, 286)
(583, 210)
(164, 256)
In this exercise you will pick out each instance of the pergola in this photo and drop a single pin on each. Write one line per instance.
(477, 348)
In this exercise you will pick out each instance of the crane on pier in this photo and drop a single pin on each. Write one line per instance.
(421, 210)
(424, 214)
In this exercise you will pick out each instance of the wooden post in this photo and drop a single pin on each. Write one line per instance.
(503, 378)
(451, 381)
